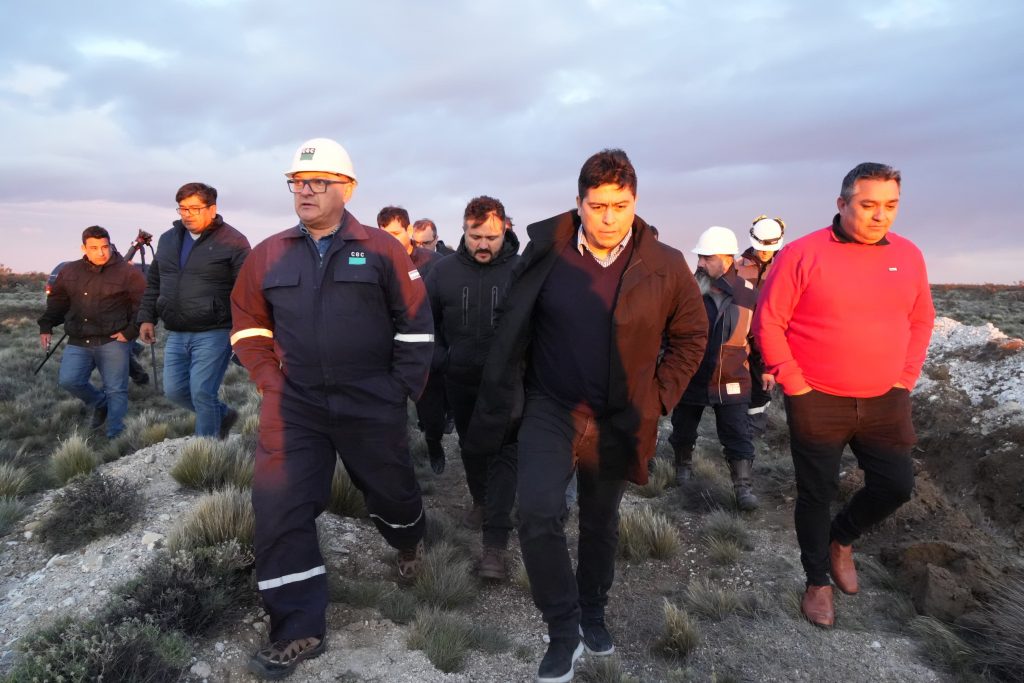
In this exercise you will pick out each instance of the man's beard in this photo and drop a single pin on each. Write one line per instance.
(703, 280)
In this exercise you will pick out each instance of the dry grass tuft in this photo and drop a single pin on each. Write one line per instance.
(216, 518)
(12, 511)
(709, 490)
(645, 533)
(941, 645)
(520, 577)
(446, 579)
(346, 500)
(723, 551)
(607, 670)
(1003, 647)
(447, 638)
(680, 635)
(661, 476)
(718, 602)
(727, 526)
(14, 481)
(203, 464)
(73, 457)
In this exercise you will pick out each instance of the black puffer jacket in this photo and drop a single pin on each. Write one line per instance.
(94, 302)
(464, 297)
(198, 297)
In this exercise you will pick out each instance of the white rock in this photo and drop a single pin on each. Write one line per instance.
(201, 669)
(259, 627)
(219, 647)
(67, 602)
(875, 645)
(151, 539)
(93, 563)
(165, 517)
(150, 459)
(57, 560)
(28, 535)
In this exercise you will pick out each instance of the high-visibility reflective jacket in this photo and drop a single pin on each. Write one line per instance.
(352, 329)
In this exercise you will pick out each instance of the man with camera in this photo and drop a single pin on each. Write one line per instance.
(189, 288)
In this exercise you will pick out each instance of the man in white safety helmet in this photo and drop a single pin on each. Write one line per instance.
(723, 380)
(332, 321)
(766, 238)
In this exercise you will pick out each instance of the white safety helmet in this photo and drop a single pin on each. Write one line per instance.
(717, 240)
(324, 155)
(766, 233)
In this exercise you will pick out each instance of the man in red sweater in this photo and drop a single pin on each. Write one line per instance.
(843, 323)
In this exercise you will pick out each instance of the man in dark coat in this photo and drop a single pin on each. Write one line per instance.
(96, 299)
(188, 286)
(575, 375)
(465, 292)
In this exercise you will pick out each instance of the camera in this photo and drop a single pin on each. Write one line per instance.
(143, 238)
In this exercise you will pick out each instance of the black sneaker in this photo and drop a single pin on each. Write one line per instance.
(596, 639)
(437, 459)
(559, 663)
(99, 416)
(227, 422)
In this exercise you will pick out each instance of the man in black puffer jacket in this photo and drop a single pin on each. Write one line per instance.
(189, 288)
(465, 290)
(96, 299)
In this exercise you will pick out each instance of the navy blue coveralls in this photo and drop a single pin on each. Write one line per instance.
(337, 338)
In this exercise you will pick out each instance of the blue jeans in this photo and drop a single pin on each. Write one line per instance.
(194, 367)
(111, 359)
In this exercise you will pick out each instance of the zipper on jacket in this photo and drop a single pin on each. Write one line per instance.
(465, 306)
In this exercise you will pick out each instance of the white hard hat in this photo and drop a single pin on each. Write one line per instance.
(717, 240)
(324, 155)
(766, 233)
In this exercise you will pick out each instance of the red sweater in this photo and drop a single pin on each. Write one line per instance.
(845, 318)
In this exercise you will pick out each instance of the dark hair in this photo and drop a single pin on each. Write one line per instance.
(390, 213)
(479, 208)
(206, 194)
(425, 223)
(867, 171)
(609, 166)
(95, 232)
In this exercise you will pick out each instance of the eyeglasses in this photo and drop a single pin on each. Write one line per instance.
(316, 185)
(426, 244)
(191, 210)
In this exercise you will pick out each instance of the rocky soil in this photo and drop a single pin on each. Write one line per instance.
(943, 548)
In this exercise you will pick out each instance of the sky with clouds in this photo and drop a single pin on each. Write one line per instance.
(728, 110)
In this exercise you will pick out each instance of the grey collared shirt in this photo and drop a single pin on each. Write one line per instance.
(584, 247)
(322, 244)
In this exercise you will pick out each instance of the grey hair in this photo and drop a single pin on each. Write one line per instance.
(867, 171)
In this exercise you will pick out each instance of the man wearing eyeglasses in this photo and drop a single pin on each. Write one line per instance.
(332, 321)
(188, 287)
(424, 234)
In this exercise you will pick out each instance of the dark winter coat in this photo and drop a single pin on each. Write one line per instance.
(464, 297)
(195, 298)
(724, 376)
(753, 269)
(94, 302)
(657, 297)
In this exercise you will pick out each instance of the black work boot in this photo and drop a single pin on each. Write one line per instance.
(742, 484)
(684, 464)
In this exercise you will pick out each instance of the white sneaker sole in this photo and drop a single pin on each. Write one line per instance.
(565, 678)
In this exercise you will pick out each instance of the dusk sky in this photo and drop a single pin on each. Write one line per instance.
(728, 110)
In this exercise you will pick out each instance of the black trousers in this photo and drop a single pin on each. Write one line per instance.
(880, 434)
(731, 421)
(431, 408)
(296, 454)
(491, 477)
(553, 442)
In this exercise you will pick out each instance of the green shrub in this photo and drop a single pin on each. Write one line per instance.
(14, 481)
(216, 518)
(93, 650)
(446, 578)
(12, 511)
(74, 456)
(346, 500)
(644, 533)
(680, 634)
(723, 551)
(207, 464)
(88, 508)
(191, 591)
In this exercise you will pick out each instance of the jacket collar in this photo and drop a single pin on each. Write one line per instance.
(839, 235)
(558, 230)
(350, 229)
(509, 248)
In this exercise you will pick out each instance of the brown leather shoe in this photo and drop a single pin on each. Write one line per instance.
(844, 574)
(817, 606)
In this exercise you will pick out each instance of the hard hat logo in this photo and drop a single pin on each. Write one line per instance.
(307, 153)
